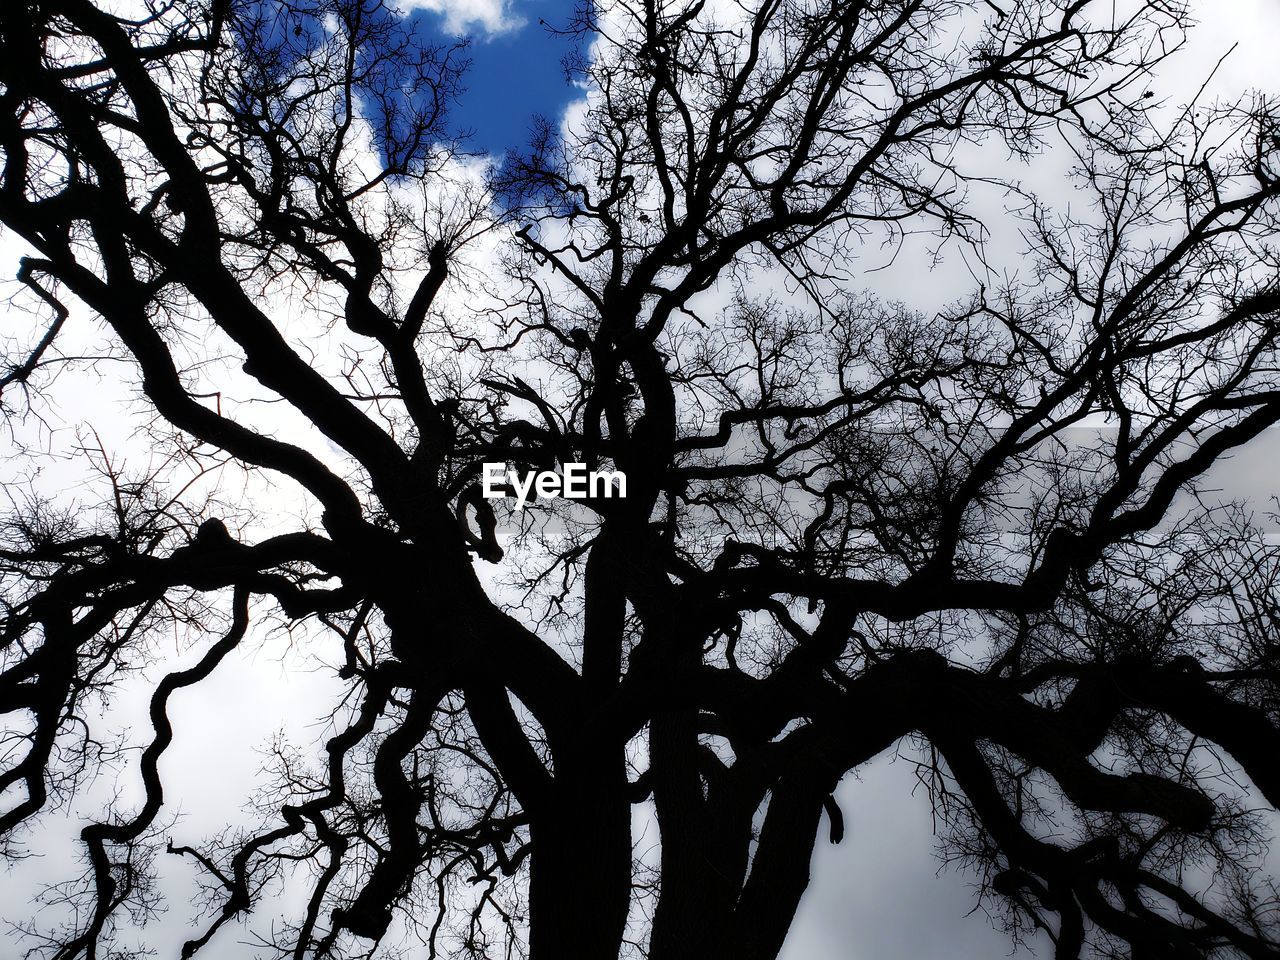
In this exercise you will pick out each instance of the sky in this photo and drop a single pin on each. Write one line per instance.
(516, 70)
(879, 894)
(516, 57)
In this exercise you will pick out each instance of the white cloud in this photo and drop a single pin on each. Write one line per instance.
(485, 18)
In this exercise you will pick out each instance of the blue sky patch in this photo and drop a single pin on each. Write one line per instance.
(513, 75)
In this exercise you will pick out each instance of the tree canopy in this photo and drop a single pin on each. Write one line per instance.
(970, 526)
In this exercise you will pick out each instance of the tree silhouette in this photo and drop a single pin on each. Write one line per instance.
(848, 524)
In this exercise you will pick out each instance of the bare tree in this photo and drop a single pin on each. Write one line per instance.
(848, 525)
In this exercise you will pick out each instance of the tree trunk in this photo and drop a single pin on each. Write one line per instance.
(706, 834)
(580, 865)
